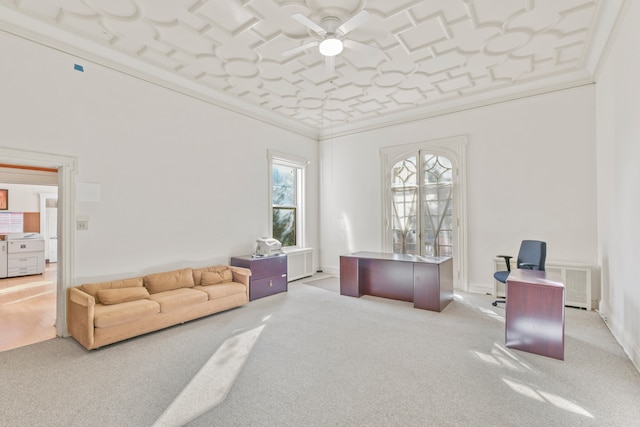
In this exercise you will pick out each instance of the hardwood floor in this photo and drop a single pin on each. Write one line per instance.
(28, 309)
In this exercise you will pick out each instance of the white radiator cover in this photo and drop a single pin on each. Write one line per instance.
(299, 263)
(576, 279)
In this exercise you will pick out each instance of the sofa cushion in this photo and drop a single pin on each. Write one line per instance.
(120, 295)
(210, 278)
(93, 288)
(222, 290)
(220, 269)
(197, 274)
(225, 272)
(116, 314)
(169, 280)
(178, 298)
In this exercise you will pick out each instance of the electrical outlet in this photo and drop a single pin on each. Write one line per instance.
(82, 225)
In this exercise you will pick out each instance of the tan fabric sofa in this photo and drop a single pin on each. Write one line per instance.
(103, 313)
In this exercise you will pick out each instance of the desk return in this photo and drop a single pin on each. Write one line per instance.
(534, 317)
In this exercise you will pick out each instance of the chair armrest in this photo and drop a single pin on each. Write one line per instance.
(80, 312)
(507, 260)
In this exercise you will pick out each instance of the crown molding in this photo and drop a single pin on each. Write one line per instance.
(458, 105)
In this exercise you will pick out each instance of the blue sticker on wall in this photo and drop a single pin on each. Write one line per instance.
(78, 67)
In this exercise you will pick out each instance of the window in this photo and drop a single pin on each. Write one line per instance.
(286, 186)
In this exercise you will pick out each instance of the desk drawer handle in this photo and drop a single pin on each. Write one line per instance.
(270, 284)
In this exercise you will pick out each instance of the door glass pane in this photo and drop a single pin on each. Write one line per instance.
(404, 191)
(437, 193)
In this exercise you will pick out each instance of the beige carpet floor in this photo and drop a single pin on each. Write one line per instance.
(322, 359)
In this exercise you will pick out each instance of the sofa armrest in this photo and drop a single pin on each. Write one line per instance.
(241, 275)
(80, 311)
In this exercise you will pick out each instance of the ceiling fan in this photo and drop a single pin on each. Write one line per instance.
(333, 31)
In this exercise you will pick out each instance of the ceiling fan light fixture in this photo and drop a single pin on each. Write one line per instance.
(331, 46)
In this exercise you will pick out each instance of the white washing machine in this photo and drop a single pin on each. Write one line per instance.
(25, 254)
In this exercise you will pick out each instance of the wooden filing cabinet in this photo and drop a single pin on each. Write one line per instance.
(268, 274)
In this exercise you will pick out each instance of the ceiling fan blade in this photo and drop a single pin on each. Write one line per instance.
(330, 64)
(309, 24)
(293, 51)
(355, 21)
(365, 48)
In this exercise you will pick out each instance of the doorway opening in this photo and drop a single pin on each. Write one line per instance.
(28, 256)
(65, 168)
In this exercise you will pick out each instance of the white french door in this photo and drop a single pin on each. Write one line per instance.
(424, 202)
(422, 205)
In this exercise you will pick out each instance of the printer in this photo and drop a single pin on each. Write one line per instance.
(267, 246)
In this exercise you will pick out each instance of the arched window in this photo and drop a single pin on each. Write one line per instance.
(424, 201)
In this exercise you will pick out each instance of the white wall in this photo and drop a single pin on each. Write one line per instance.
(182, 182)
(618, 153)
(530, 175)
(26, 198)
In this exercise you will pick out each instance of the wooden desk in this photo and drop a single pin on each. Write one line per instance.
(534, 319)
(425, 281)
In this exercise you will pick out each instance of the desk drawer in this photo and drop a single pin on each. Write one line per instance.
(269, 266)
(268, 286)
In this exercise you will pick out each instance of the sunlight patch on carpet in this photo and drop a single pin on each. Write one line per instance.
(18, 301)
(551, 398)
(25, 286)
(212, 383)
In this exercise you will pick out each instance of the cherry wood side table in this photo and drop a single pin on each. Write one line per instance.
(268, 274)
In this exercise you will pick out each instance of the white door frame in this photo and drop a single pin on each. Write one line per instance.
(67, 169)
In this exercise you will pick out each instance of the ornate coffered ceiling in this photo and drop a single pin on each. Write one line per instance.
(433, 54)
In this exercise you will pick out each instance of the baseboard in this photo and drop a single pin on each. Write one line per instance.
(627, 342)
(330, 270)
(480, 288)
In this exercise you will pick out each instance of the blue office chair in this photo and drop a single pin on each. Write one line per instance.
(532, 255)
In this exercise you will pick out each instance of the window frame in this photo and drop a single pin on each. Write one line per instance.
(300, 164)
